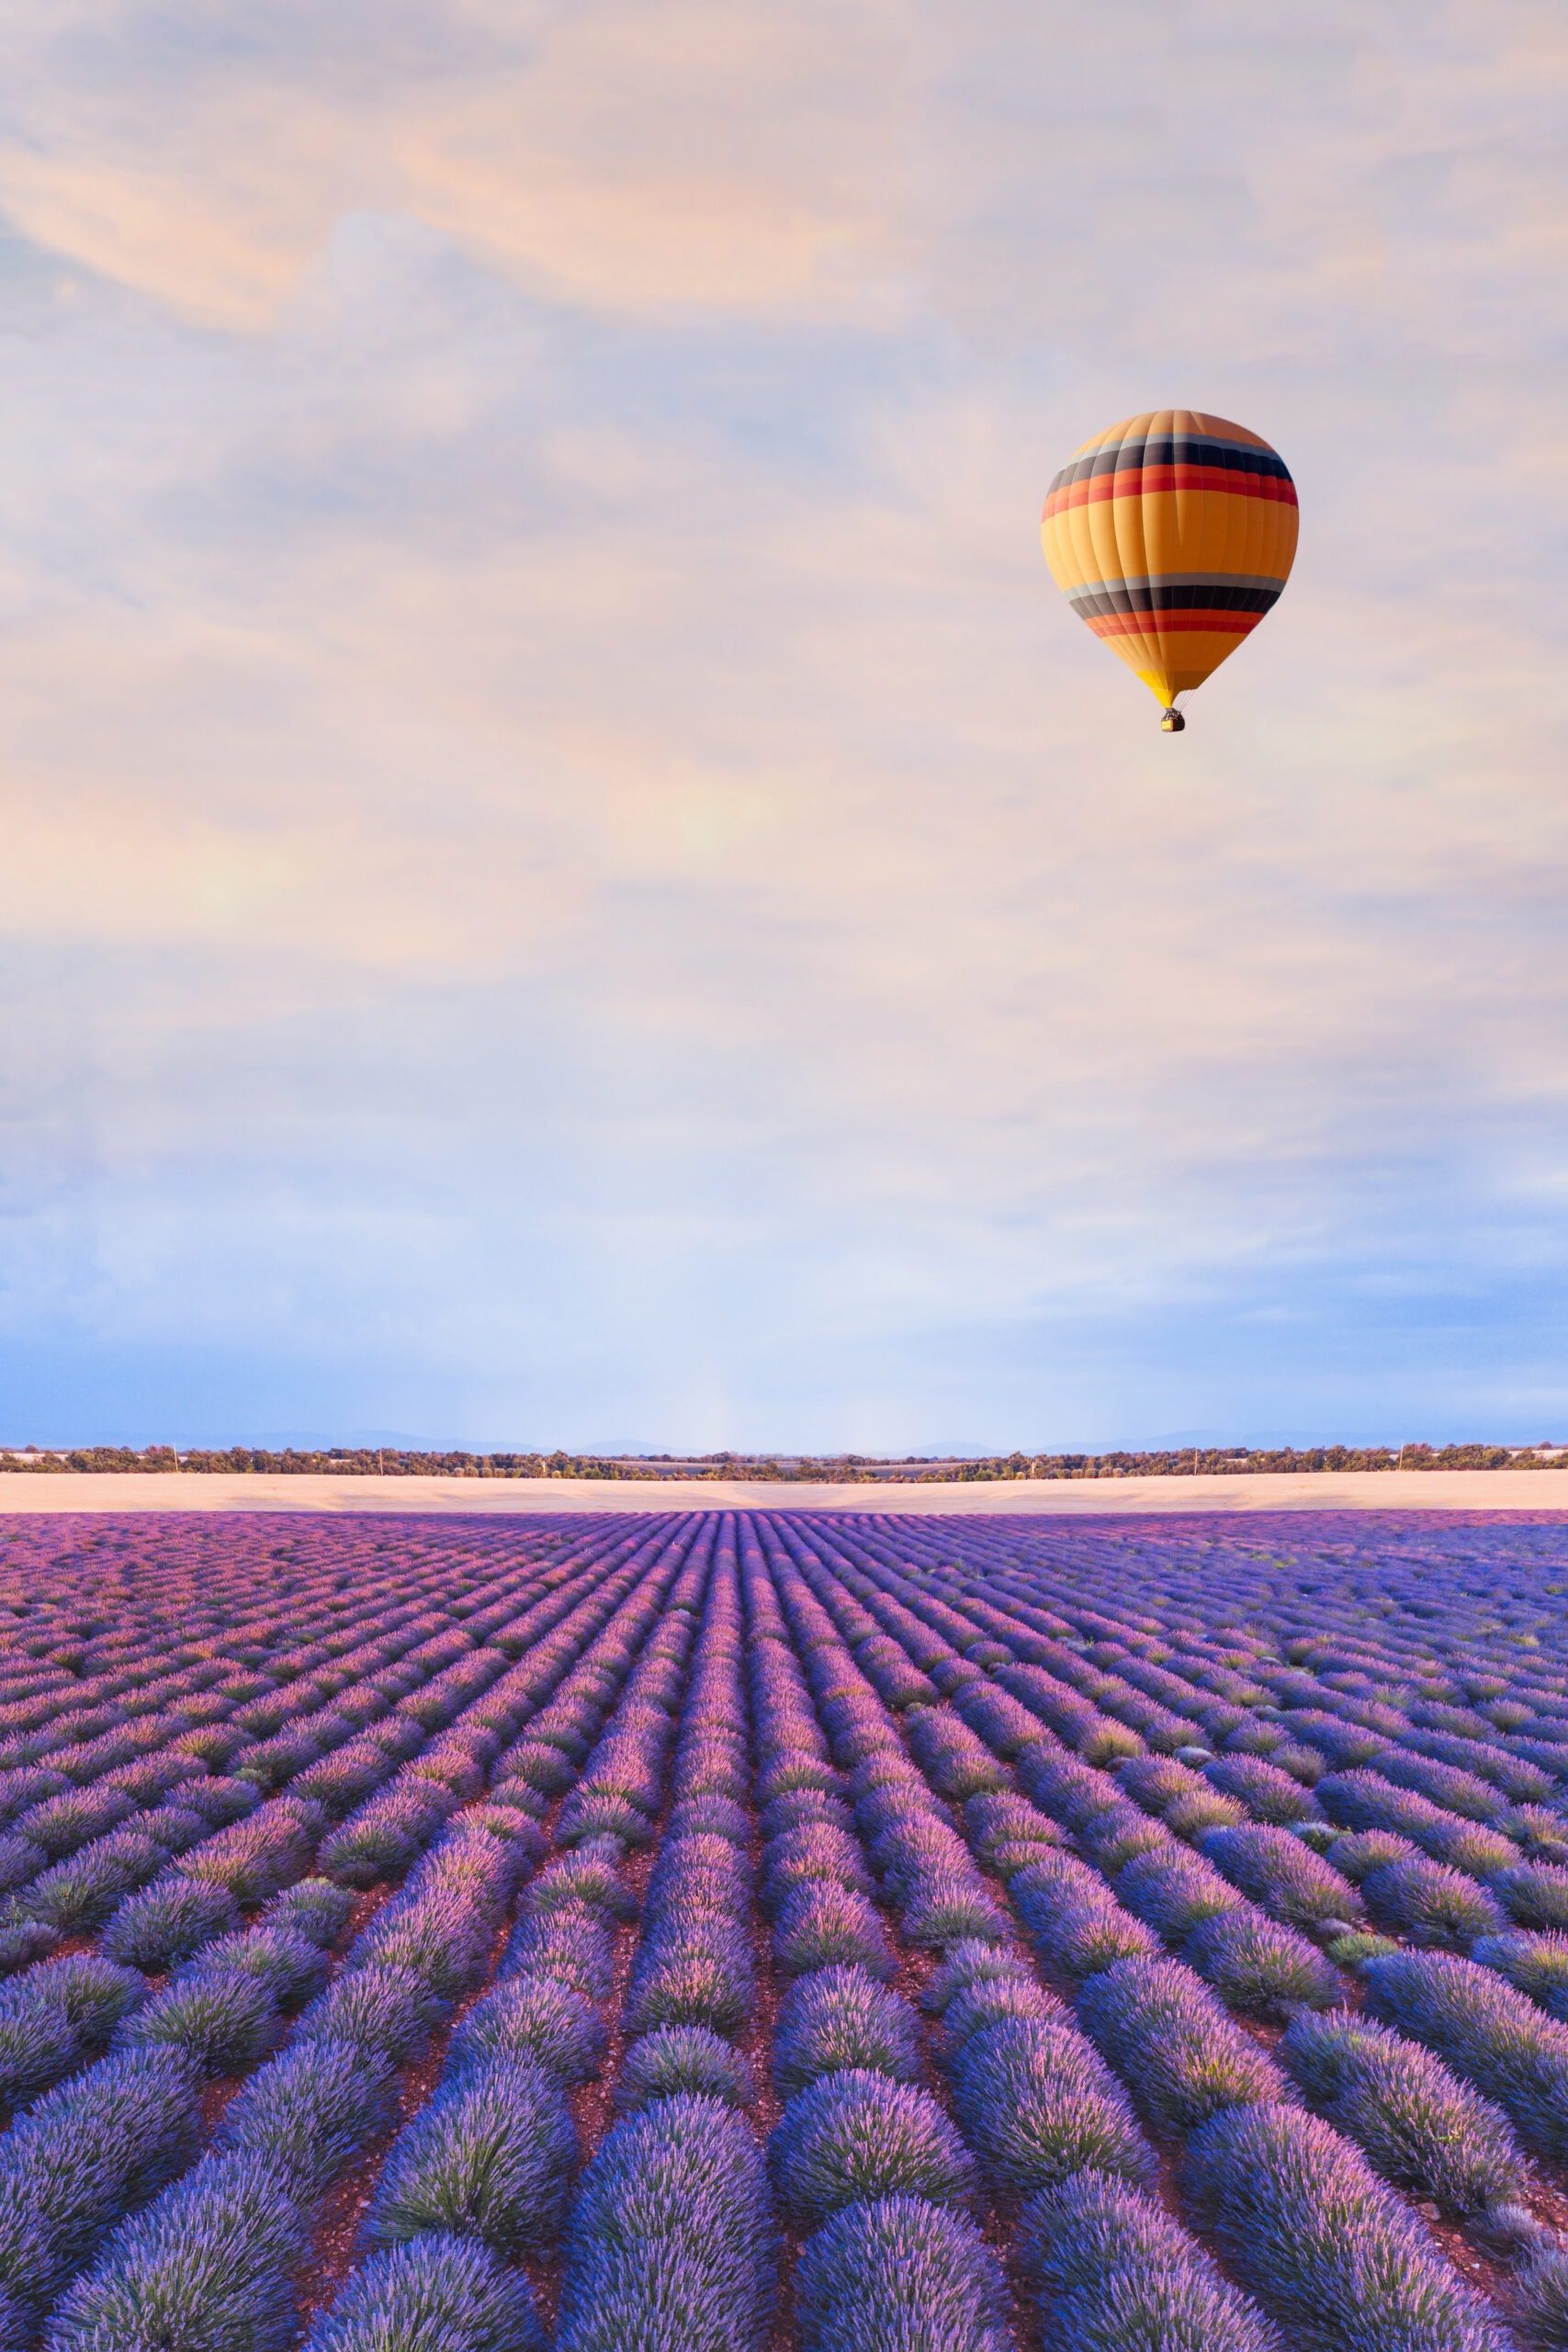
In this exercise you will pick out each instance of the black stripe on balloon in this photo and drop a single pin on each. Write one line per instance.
(1187, 449)
(1096, 605)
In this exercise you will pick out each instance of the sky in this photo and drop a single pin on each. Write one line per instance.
(566, 876)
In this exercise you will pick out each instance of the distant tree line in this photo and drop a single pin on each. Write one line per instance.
(1242, 1462)
(842, 1469)
(354, 1461)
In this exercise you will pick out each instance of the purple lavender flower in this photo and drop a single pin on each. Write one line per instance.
(1492, 2037)
(1284, 1876)
(1359, 1853)
(380, 2008)
(838, 2017)
(1172, 1889)
(989, 2001)
(956, 1762)
(1420, 2128)
(1535, 1895)
(682, 2058)
(1538, 1964)
(671, 2241)
(1069, 1791)
(692, 1969)
(221, 2019)
(532, 2016)
(1333, 2256)
(1430, 1905)
(211, 2263)
(1172, 2042)
(1111, 2270)
(1261, 1967)
(491, 2157)
(1034, 2099)
(852, 2135)
(386, 1837)
(1075, 1920)
(436, 2294)
(822, 1926)
(571, 1942)
(814, 1851)
(1121, 1833)
(895, 2274)
(308, 2112)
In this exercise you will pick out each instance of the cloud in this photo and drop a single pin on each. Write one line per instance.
(1121, 181)
(576, 871)
(642, 157)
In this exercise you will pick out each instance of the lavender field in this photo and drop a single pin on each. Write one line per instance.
(743, 1931)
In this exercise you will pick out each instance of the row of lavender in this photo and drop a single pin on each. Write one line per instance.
(714, 1931)
(196, 1975)
(1449, 2080)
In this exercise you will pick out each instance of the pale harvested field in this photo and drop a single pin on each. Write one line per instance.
(23, 1491)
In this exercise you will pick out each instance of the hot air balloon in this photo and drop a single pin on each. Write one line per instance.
(1172, 535)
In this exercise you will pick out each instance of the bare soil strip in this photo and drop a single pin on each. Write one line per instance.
(26, 1492)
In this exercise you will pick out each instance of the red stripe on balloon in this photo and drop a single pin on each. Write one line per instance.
(1155, 625)
(1135, 481)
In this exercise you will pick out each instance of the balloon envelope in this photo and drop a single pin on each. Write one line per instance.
(1172, 535)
